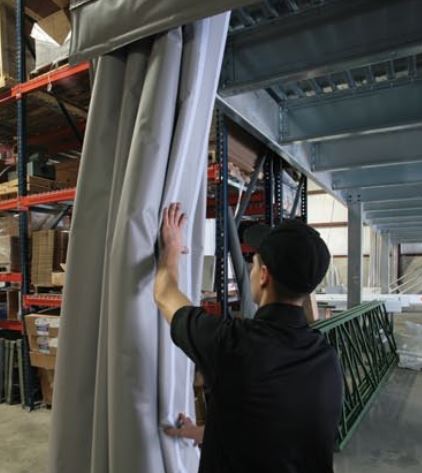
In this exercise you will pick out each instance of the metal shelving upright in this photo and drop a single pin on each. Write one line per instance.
(23, 203)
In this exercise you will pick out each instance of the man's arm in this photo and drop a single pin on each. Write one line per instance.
(167, 295)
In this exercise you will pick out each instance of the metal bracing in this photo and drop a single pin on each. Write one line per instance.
(355, 240)
(390, 108)
(374, 214)
(364, 340)
(387, 175)
(390, 194)
(393, 206)
(348, 35)
(376, 149)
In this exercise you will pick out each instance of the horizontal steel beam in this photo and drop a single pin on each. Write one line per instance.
(378, 149)
(391, 226)
(373, 214)
(382, 110)
(321, 41)
(393, 221)
(394, 205)
(407, 240)
(388, 194)
(390, 175)
(258, 114)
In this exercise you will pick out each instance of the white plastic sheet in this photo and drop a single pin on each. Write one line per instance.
(101, 26)
(119, 378)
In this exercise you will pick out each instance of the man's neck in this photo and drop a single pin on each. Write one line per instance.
(268, 298)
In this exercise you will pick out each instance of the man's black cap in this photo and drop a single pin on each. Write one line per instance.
(294, 253)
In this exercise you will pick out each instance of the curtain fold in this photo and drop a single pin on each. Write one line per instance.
(119, 378)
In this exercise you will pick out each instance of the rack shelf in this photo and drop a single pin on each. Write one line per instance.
(44, 80)
(11, 277)
(42, 300)
(15, 325)
(24, 203)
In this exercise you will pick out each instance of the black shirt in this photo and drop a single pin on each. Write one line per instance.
(275, 390)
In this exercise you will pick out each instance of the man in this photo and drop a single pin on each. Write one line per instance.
(275, 384)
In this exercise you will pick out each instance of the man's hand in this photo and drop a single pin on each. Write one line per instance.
(186, 429)
(171, 231)
(166, 289)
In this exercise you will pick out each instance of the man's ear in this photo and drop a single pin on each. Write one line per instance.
(264, 276)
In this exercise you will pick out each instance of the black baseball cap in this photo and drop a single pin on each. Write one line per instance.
(295, 254)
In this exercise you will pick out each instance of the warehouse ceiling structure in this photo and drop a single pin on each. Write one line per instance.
(335, 87)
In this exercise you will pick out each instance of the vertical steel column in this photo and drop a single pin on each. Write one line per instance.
(354, 267)
(385, 262)
(278, 190)
(22, 190)
(304, 199)
(269, 191)
(222, 216)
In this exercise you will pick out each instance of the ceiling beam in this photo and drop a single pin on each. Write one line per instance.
(372, 214)
(377, 149)
(394, 205)
(389, 175)
(258, 114)
(388, 194)
(387, 224)
(319, 41)
(379, 110)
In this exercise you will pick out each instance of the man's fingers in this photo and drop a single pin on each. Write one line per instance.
(165, 216)
(172, 431)
(171, 213)
(182, 220)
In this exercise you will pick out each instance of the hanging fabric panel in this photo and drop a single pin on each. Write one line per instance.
(119, 378)
(101, 26)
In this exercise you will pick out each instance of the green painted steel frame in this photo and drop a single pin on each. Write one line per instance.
(364, 340)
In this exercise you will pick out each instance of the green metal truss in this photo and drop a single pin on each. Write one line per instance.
(364, 340)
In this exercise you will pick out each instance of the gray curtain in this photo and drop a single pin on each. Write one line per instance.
(101, 26)
(119, 379)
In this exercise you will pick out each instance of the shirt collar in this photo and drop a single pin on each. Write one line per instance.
(285, 315)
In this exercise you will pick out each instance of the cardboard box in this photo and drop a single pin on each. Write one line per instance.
(47, 385)
(41, 360)
(67, 173)
(9, 254)
(57, 25)
(42, 344)
(49, 251)
(42, 325)
(12, 301)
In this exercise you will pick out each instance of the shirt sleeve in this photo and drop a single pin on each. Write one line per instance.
(197, 334)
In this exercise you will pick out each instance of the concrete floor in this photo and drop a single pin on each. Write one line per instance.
(24, 440)
(389, 440)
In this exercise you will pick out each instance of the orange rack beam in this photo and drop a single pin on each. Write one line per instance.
(10, 277)
(42, 300)
(43, 81)
(23, 203)
(15, 325)
(48, 197)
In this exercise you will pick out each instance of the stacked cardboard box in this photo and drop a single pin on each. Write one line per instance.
(43, 332)
(9, 254)
(49, 249)
(67, 173)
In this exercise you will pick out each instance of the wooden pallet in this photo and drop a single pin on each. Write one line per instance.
(35, 185)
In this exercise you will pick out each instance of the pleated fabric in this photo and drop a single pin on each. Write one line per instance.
(119, 379)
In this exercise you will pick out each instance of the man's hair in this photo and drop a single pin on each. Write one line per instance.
(282, 291)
